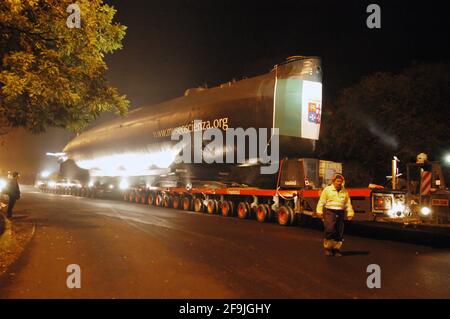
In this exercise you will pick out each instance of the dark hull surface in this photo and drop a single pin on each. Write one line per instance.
(288, 97)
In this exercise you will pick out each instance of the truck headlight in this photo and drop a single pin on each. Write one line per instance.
(397, 210)
(382, 202)
(2, 184)
(123, 184)
(425, 211)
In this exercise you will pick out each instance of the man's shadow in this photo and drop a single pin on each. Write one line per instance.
(19, 216)
(355, 253)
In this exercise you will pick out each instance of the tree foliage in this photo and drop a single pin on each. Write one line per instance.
(52, 75)
(389, 114)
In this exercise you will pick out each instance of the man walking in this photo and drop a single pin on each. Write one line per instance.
(336, 201)
(13, 192)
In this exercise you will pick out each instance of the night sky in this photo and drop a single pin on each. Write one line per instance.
(174, 45)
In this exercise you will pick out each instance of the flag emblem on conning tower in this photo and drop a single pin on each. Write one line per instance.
(314, 112)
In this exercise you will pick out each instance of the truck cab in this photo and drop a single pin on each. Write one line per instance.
(422, 198)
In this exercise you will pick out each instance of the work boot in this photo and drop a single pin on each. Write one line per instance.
(337, 253)
(328, 252)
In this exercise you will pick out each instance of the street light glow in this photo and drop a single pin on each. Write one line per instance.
(123, 184)
(2, 184)
(45, 174)
(425, 211)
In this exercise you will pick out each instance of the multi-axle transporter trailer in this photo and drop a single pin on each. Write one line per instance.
(284, 206)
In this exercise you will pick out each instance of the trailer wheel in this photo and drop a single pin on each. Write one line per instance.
(262, 213)
(137, 198)
(227, 208)
(285, 216)
(167, 200)
(198, 205)
(243, 210)
(151, 199)
(176, 202)
(158, 200)
(187, 203)
(212, 206)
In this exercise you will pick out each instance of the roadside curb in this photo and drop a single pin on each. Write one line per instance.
(13, 244)
(437, 237)
(424, 235)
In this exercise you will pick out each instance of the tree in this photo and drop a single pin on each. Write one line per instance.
(52, 75)
(389, 114)
(4, 129)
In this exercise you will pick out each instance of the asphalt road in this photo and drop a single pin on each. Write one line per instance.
(129, 250)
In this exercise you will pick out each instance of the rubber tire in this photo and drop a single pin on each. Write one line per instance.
(151, 199)
(158, 200)
(212, 206)
(262, 213)
(243, 210)
(187, 203)
(167, 201)
(176, 202)
(285, 216)
(198, 205)
(137, 198)
(227, 208)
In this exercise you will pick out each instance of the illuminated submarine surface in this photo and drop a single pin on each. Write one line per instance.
(289, 97)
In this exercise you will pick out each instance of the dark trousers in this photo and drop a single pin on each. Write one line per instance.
(11, 203)
(334, 221)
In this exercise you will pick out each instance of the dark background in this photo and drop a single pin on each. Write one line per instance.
(173, 45)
